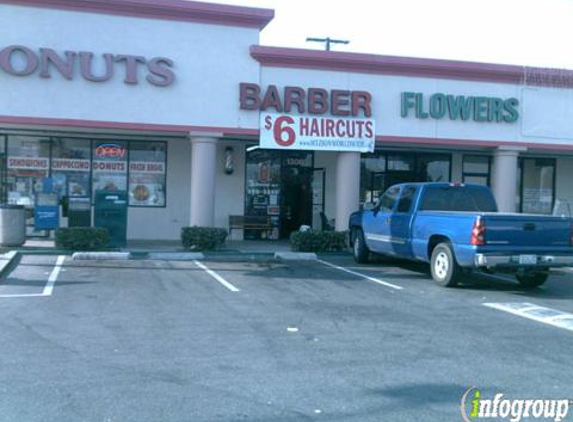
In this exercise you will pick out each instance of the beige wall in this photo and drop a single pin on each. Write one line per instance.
(230, 194)
(165, 223)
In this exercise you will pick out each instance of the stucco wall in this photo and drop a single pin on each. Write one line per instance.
(165, 223)
(209, 62)
(544, 113)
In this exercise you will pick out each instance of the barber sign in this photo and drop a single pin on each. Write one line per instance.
(303, 132)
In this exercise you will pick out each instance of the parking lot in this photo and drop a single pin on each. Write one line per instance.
(325, 340)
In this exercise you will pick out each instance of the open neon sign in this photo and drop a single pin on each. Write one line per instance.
(110, 151)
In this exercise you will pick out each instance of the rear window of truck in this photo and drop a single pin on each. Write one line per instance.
(458, 198)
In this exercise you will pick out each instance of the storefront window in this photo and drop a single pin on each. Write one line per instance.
(372, 170)
(109, 166)
(3, 192)
(381, 170)
(476, 169)
(263, 191)
(71, 164)
(433, 167)
(537, 177)
(28, 164)
(147, 164)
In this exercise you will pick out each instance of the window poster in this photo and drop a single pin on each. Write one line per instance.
(109, 166)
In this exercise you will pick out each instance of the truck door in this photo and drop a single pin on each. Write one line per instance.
(376, 223)
(401, 222)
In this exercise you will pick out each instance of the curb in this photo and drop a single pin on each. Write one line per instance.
(296, 256)
(6, 260)
(173, 256)
(92, 256)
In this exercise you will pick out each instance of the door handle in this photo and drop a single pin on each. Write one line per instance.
(387, 220)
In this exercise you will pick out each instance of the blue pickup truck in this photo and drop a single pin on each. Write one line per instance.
(457, 229)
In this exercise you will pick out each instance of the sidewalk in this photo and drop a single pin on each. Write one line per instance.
(144, 246)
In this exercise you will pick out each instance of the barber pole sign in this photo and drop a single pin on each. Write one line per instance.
(284, 131)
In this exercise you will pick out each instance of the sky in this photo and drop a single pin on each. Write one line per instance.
(523, 32)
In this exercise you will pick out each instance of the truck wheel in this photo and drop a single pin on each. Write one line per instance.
(359, 249)
(445, 270)
(531, 279)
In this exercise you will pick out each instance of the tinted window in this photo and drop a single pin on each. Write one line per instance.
(458, 198)
(388, 200)
(406, 199)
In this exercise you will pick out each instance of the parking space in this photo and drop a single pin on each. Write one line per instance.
(267, 340)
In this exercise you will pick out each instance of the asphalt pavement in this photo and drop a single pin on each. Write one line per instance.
(331, 340)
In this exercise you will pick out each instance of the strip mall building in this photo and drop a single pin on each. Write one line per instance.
(177, 104)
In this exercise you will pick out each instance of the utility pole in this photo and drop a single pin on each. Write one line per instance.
(328, 41)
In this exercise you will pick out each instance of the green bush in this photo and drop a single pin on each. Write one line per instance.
(203, 238)
(318, 241)
(82, 238)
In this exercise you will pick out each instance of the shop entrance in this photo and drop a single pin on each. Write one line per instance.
(279, 186)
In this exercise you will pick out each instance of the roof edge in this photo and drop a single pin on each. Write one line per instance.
(409, 66)
(179, 10)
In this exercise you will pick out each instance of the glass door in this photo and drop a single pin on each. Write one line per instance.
(296, 187)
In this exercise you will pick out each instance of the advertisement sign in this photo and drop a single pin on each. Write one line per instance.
(28, 163)
(46, 211)
(293, 132)
(70, 164)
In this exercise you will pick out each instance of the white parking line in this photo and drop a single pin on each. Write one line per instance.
(367, 277)
(537, 313)
(217, 277)
(49, 287)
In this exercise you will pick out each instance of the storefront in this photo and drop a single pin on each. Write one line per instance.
(178, 106)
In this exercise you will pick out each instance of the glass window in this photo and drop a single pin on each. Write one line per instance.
(388, 200)
(147, 164)
(28, 163)
(109, 166)
(400, 162)
(406, 199)
(372, 168)
(538, 187)
(263, 191)
(433, 167)
(458, 198)
(3, 191)
(71, 165)
(476, 169)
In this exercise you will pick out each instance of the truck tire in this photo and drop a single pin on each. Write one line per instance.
(532, 279)
(359, 249)
(445, 270)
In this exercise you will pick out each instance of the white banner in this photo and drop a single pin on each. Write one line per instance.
(147, 167)
(282, 131)
(70, 164)
(109, 166)
(28, 163)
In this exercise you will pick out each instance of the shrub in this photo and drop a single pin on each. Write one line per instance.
(203, 238)
(317, 241)
(82, 238)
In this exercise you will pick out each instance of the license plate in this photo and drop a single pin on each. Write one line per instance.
(528, 259)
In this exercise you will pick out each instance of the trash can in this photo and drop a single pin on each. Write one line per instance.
(12, 225)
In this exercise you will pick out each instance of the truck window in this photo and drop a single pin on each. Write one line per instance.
(388, 200)
(458, 198)
(405, 203)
